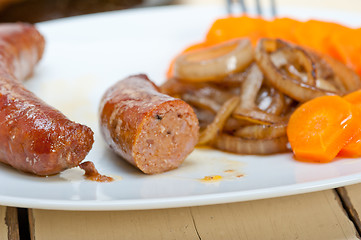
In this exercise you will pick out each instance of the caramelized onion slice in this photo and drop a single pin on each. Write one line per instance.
(174, 87)
(218, 95)
(250, 87)
(214, 63)
(248, 109)
(271, 101)
(293, 60)
(233, 80)
(211, 131)
(325, 85)
(262, 131)
(251, 146)
(205, 117)
(203, 102)
(257, 116)
(232, 124)
(296, 89)
(350, 80)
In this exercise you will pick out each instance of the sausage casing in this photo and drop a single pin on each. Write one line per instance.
(151, 130)
(34, 137)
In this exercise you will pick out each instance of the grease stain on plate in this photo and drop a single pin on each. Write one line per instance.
(214, 178)
(209, 166)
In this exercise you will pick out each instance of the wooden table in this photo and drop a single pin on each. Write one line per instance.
(330, 214)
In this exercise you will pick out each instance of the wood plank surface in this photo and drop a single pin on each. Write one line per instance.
(11, 220)
(151, 224)
(351, 196)
(9, 227)
(3, 227)
(310, 216)
(318, 215)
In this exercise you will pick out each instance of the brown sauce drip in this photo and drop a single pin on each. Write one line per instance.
(91, 173)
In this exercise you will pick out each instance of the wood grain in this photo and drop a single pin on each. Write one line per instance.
(9, 227)
(151, 224)
(351, 196)
(11, 221)
(309, 216)
(3, 227)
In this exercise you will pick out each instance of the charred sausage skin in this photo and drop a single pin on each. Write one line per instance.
(34, 137)
(151, 130)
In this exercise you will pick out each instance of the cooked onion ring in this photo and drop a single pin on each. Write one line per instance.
(214, 63)
(248, 110)
(232, 124)
(350, 80)
(262, 131)
(245, 109)
(208, 134)
(250, 87)
(251, 146)
(271, 101)
(293, 59)
(257, 116)
(290, 86)
(205, 117)
(203, 102)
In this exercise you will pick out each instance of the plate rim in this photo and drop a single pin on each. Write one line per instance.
(173, 202)
(183, 201)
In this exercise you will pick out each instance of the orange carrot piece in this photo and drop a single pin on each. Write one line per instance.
(346, 47)
(354, 98)
(316, 34)
(282, 28)
(353, 148)
(328, 38)
(320, 128)
(225, 29)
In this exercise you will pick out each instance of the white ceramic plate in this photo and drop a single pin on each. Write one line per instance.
(85, 55)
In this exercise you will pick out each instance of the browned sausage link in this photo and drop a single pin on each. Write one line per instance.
(151, 130)
(34, 137)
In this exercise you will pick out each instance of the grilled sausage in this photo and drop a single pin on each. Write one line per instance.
(34, 137)
(151, 130)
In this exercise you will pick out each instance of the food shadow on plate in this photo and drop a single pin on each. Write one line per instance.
(6, 169)
(118, 164)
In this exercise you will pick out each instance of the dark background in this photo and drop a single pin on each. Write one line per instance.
(33, 11)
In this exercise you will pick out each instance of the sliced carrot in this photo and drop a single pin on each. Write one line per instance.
(328, 38)
(320, 128)
(353, 148)
(316, 34)
(225, 29)
(282, 28)
(346, 47)
(354, 98)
